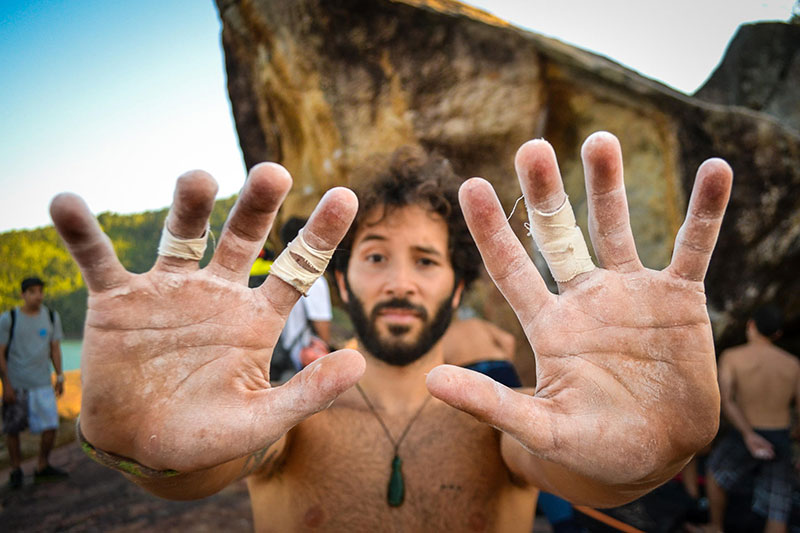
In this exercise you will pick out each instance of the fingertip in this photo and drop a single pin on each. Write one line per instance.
(331, 218)
(599, 140)
(275, 171)
(533, 156)
(336, 372)
(65, 203)
(194, 196)
(199, 180)
(269, 181)
(601, 155)
(452, 383)
(345, 199)
(715, 177)
(69, 213)
(717, 167)
(476, 195)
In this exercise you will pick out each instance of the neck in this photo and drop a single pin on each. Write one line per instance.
(30, 309)
(398, 389)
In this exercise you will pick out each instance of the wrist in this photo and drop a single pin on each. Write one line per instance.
(117, 462)
(59, 378)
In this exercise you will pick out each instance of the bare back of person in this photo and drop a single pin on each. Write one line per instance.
(765, 381)
(471, 340)
(333, 473)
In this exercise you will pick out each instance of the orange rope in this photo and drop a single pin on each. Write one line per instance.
(607, 520)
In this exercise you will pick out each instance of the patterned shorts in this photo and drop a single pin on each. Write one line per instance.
(731, 462)
(35, 409)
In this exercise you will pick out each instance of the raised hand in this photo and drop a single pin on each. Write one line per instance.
(626, 378)
(175, 362)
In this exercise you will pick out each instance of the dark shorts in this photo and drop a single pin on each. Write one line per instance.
(500, 371)
(731, 463)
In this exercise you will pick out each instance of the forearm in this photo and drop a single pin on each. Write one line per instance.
(193, 485)
(323, 330)
(55, 356)
(174, 485)
(736, 417)
(3, 366)
(580, 489)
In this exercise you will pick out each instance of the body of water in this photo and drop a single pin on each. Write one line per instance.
(71, 354)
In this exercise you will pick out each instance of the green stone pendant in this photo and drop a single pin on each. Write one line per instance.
(397, 488)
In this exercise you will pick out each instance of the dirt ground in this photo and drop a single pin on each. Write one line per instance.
(95, 498)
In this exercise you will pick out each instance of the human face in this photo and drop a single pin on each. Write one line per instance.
(400, 283)
(33, 297)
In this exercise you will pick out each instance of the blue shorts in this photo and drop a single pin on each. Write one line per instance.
(35, 409)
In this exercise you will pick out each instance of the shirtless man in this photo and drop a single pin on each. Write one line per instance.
(176, 361)
(758, 382)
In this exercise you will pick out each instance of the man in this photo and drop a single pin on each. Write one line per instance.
(176, 361)
(758, 382)
(29, 342)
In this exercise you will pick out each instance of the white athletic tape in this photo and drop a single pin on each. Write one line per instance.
(296, 274)
(191, 249)
(561, 242)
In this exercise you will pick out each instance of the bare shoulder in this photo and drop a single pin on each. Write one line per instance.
(732, 357)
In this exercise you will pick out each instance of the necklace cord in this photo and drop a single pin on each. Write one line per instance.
(399, 441)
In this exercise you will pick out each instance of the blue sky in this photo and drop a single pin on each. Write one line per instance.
(114, 99)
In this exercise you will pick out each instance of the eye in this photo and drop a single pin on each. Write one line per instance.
(375, 258)
(426, 261)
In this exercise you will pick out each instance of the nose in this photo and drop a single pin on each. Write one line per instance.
(401, 283)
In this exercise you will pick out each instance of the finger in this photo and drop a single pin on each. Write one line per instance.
(495, 404)
(698, 234)
(552, 221)
(326, 226)
(609, 220)
(312, 389)
(87, 243)
(506, 259)
(192, 203)
(250, 221)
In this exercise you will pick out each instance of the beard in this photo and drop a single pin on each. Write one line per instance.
(394, 350)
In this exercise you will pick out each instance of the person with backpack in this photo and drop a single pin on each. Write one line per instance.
(30, 338)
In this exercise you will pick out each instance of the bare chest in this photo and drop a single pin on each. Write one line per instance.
(337, 472)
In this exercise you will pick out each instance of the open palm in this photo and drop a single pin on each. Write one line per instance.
(626, 374)
(175, 362)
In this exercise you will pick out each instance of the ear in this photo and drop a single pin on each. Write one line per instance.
(457, 293)
(341, 284)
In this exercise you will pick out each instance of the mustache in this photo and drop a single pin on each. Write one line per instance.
(398, 303)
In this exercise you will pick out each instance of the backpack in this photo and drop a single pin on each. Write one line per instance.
(13, 314)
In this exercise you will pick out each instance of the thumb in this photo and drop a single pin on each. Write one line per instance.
(523, 417)
(315, 387)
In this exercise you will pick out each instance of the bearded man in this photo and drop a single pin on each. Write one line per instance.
(176, 361)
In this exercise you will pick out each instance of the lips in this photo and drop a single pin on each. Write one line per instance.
(399, 311)
(401, 316)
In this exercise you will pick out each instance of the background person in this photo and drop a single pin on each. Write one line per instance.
(309, 322)
(29, 395)
(758, 382)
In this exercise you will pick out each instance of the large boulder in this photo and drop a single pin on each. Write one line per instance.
(319, 85)
(760, 71)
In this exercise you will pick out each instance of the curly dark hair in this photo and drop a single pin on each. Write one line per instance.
(410, 176)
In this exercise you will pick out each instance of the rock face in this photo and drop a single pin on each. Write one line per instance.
(319, 85)
(760, 71)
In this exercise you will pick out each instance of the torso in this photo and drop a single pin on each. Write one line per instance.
(337, 465)
(29, 352)
(765, 380)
